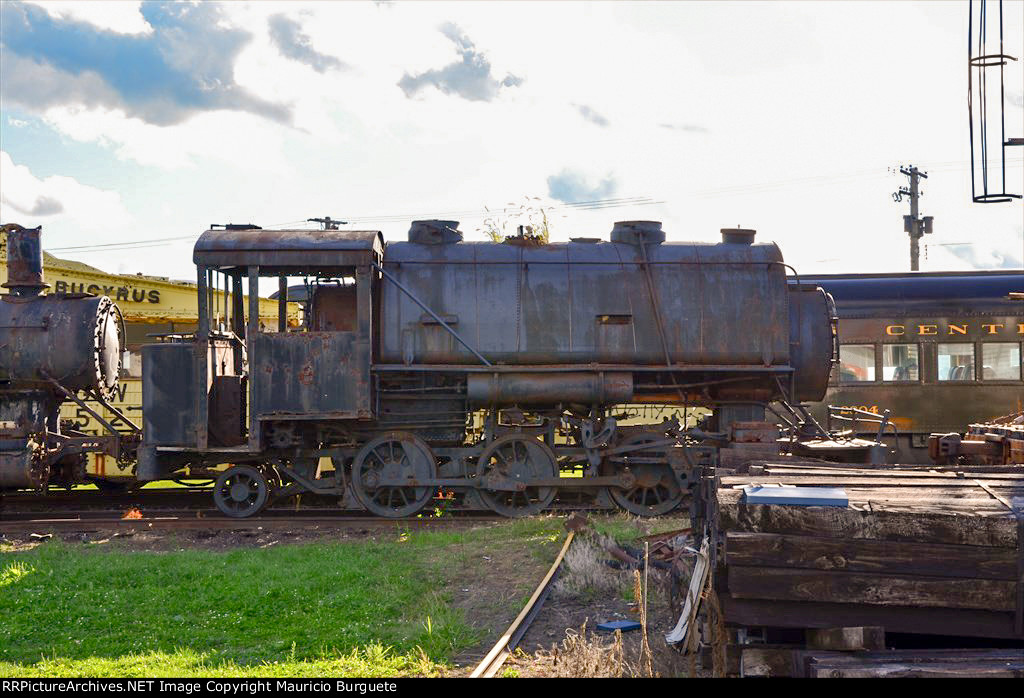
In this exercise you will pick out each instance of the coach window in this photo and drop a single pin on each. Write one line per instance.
(1000, 361)
(956, 362)
(856, 363)
(899, 362)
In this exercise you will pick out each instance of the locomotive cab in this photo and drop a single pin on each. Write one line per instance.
(263, 385)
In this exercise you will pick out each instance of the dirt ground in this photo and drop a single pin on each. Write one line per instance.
(563, 639)
(164, 540)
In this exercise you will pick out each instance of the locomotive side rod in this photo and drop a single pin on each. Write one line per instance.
(504, 484)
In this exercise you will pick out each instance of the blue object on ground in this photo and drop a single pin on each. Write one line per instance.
(623, 625)
(799, 496)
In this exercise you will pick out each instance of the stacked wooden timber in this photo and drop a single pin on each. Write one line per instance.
(917, 663)
(929, 550)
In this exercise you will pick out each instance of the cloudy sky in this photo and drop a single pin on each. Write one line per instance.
(127, 128)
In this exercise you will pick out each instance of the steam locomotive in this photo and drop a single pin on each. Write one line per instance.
(483, 368)
(54, 347)
(486, 369)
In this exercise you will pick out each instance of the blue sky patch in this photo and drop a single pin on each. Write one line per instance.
(184, 66)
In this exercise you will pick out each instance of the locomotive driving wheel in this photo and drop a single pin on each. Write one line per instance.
(386, 473)
(511, 460)
(655, 490)
(241, 491)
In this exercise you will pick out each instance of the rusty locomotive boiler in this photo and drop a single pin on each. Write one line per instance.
(487, 369)
(52, 347)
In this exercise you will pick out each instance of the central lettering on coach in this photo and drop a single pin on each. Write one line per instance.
(118, 293)
(952, 330)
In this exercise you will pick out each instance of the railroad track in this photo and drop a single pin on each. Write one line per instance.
(506, 644)
(211, 519)
(164, 501)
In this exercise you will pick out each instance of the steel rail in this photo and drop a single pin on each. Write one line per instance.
(494, 659)
(215, 521)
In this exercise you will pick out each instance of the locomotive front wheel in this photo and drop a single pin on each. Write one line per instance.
(241, 491)
(656, 490)
(514, 457)
(386, 472)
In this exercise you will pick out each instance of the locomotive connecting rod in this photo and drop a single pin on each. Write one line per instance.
(432, 314)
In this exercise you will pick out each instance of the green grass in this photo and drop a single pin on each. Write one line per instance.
(346, 609)
(374, 608)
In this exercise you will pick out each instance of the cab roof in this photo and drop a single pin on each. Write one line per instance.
(288, 248)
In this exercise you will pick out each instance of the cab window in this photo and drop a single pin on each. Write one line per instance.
(1000, 361)
(956, 362)
(899, 362)
(856, 363)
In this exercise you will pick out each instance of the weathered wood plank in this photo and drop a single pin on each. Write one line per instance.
(805, 464)
(919, 656)
(767, 661)
(895, 619)
(876, 480)
(837, 522)
(829, 664)
(938, 670)
(891, 590)
(870, 556)
(847, 639)
(1010, 475)
(950, 504)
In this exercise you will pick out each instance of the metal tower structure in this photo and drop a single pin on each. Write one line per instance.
(987, 62)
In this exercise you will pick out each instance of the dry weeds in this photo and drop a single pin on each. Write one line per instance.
(585, 573)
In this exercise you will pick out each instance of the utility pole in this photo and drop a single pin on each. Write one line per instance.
(914, 225)
(327, 223)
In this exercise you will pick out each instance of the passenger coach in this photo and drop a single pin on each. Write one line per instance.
(938, 350)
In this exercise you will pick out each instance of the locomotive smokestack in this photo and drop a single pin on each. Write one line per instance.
(738, 236)
(24, 260)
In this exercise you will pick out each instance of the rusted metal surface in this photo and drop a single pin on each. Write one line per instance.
(310, 373)
(549, 388)
(1000, 442)
(577, 302)
(52, 347)
(169, 379)
(333, 309)
(24, 260)
(227, 410)
(813, 342)
(76, 341)
(541, 336)
(280, 248)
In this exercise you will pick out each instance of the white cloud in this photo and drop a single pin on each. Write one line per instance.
(122, 17)
(242, 139)
(782, 135)
(70, 207)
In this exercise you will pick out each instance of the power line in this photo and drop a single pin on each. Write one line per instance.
(596, 204)
(121, 244)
